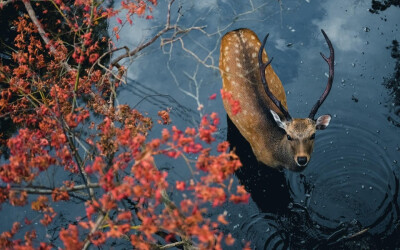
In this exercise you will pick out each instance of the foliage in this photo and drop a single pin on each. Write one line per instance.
(59, 89)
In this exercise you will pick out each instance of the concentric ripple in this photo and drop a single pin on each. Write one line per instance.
(351, 181)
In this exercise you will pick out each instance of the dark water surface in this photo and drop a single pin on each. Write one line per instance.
(348, 195)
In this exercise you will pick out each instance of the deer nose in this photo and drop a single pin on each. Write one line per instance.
(302, 160)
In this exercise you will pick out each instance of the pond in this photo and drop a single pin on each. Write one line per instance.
(348, 195)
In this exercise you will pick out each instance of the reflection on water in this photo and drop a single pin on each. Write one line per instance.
(355, 190)
(393, 84)
(342, 203)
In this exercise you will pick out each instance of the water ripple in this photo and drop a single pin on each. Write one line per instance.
(350, 179)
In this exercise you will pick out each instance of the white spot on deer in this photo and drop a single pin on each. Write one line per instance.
(239, 65)
(236, 51)
(254, 55)
(253, 37)
(227, 69)
(236, 45)
(226, 48)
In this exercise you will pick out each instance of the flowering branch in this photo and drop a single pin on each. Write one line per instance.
(41, 31)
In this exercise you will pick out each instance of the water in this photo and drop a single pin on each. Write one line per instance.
(348, 195)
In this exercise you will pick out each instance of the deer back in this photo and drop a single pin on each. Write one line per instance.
(241, 78)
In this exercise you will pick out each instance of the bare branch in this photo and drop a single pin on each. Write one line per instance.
(167, 27)
(77, 157)
(171, 245)
(49, 191)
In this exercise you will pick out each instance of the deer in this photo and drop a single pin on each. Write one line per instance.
(277, 140)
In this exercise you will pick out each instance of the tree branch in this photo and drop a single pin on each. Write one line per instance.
(96, 226)
(167, 27)
(48, 191)
(41, 31)
(38, 25)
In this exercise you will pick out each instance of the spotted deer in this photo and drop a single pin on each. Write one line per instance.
(277, 139)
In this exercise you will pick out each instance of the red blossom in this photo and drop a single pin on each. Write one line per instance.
(244, 198)
(59, 195)
(180, 185)
(164, 114)
(223, 147)
(93, 57)
(234, 104)
(70, 238)
(98, 238)
(125, 216)
(229, 240)
(128, 18)
(221, 219)
(165, 134)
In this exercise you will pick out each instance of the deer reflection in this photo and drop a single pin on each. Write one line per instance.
(267, 186)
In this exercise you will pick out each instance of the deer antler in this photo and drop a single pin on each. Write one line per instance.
(330, 61)
(262, 67)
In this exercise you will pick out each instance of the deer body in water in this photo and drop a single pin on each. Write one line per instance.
(277, 139)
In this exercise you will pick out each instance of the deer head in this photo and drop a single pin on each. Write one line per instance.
(299, 133)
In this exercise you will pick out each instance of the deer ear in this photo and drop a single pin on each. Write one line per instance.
(323, 122)
(278, 120)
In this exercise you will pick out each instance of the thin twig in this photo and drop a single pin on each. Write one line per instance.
(171, 245)
(358, 233)
(78, 158)
(168, 27)
(49, 191)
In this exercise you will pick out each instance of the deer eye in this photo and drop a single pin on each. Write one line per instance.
(312, 137)
(289, 137)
